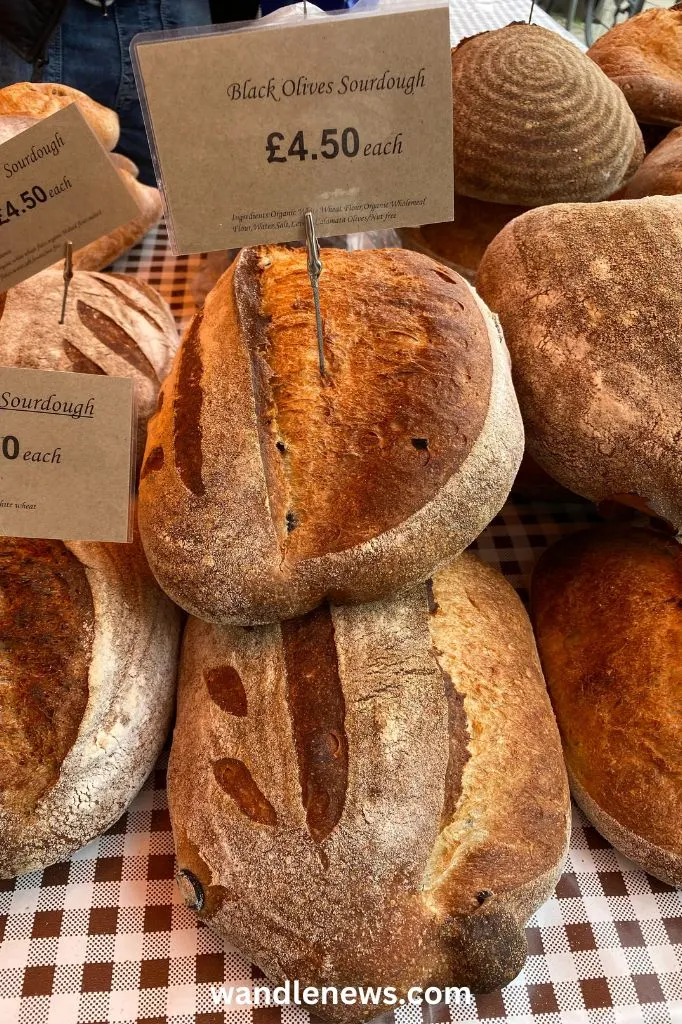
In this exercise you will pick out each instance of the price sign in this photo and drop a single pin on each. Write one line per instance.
(57, 184)
(66, 455)
(349, 116)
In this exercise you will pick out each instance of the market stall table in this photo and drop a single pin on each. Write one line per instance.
(104, 938)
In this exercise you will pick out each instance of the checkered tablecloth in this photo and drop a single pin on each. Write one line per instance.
(103, 937)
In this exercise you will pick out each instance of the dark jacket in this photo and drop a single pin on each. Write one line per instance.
(28, 24)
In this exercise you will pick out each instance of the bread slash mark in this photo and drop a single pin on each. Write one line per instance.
(236, 780)
(317, 709)
(189, 399)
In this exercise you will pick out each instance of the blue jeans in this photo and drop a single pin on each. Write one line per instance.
(92, 53)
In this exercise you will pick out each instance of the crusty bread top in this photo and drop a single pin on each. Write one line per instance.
(607, 605)
(374, 792)
(47, 628)
(40, 99)
(408, 382)
(588, 299)
(643, 55)
(268, 488)
(14, 124)
(661, 172)
(535, 122)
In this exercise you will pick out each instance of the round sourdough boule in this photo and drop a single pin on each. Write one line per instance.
(607, 607)
(536, 122)
(643, 56)
(40, 99)
(661, 172)
(267, 488)
(372, 794)
(114, 324)
(88, 665)
(591, 309)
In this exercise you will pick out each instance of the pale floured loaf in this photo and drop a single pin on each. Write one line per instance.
(372, 794)
(536, 122)
(87, 670)
(590, 305)
(267, 488)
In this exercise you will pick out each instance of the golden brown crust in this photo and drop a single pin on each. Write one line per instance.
(661, 172)
(460, 243)
(353, 876)
(535, 122)
(128, 631)
(581, 290)
(103, 251)
(643, 56)
(114, 324)
(276, 488)
(607, 606)
(40, 99)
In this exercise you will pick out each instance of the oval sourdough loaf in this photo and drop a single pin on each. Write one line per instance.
(643, 55)
(536, 122)
(607, 605)
(41, 99)
(590, 307)
(114, 324)
(267, 488)
(87, 680)
(372, 794)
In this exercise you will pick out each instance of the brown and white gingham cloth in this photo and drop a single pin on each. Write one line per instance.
(103, 938)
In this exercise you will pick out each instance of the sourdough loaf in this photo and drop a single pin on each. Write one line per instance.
(591, 310)
(87, 665)
(372, 794)
(114, 324)
(14, 124)
(267, 488)
(661, 172)
(607, 605)
(460, 243)
(40, 99)
(536, 122)
(103, 251)
(643, 56)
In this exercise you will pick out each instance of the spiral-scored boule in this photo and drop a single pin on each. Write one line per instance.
(537, 122)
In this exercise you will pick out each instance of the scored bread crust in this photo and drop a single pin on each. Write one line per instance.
(210, 535)
(40, 99)
(591, 315)
(131, 687)
(606, 605)
(114, 324)
(375, 872)
(643, 56)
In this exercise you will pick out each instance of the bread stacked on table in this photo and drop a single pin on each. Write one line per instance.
(534, 122)
(88, 641)
(24, 104)
(365, 782)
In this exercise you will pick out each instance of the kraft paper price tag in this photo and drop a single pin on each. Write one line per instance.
(57, 184)
(347, 116)
(66, 455)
